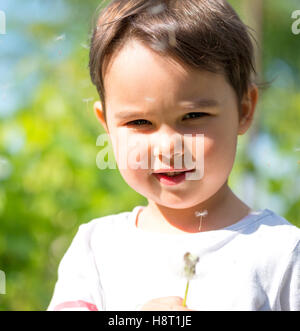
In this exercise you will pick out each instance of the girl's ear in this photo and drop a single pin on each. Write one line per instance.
(248, 107)
(100, 114)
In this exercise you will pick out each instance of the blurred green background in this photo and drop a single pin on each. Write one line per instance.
(49, 181)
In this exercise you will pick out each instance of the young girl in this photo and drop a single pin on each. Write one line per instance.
(167, 70)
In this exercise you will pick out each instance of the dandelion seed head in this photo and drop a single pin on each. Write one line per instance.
(190, 265)
(175, 262)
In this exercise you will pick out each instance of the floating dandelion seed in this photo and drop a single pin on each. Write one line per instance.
(87, 100)
(160, 45)
(154, 10)
(169, 40)
(149, 99)
(172, 36)
(84, 46)
(201, 215)
(189, 270)
(4, 88)
(61, 37)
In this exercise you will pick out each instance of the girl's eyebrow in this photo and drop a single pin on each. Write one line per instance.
(128, 114)
(191, 104)
(199, 103)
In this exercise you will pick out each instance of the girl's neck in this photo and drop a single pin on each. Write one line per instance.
(222, 210)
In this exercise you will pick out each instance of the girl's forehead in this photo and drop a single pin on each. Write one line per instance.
(138, 78)
(137, 95)
(135, 60)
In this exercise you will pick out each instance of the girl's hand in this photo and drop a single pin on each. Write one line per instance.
(166, 303)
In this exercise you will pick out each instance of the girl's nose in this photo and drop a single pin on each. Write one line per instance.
(168, 145)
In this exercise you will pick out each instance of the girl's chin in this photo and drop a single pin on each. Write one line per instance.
(174, 203)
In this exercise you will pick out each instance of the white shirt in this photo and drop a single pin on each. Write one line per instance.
(113, 265)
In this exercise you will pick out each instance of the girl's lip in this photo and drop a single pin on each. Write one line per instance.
(171, 180)
(161, 171)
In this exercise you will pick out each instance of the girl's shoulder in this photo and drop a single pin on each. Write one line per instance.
(274, 233)
(276, 223)
(112, 224)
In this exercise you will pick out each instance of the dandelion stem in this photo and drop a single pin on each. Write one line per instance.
(186, 292)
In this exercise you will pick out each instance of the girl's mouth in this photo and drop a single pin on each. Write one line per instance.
(172, 178)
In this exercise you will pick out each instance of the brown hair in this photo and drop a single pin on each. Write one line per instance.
(205, 34)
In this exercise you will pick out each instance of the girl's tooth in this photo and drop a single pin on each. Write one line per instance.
(172, 174)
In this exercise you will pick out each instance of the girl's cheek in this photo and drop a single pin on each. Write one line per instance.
(219, 155)
(210, 145)
(130, 149)
(134, 178)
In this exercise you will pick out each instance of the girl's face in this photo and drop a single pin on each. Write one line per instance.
(150, 99)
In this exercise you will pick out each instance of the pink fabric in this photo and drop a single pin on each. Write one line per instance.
(76, 304)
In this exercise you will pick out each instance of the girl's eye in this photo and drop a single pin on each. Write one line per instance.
(141, 122)
(138, 122)
(196, 115)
